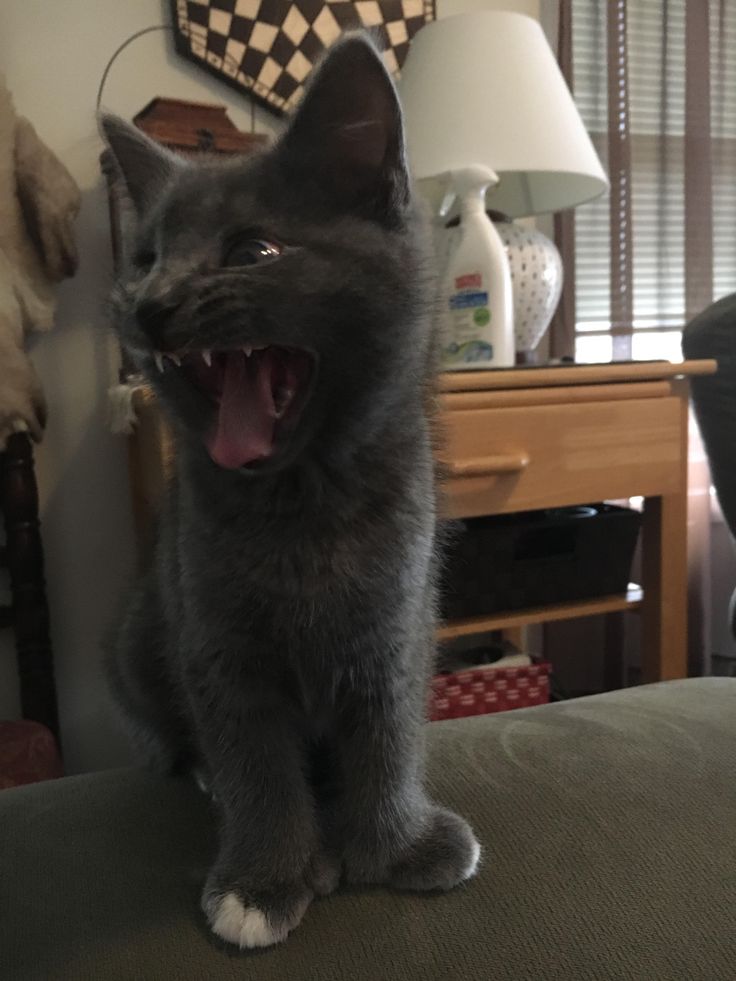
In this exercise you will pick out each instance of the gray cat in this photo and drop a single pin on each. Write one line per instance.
(280, 644)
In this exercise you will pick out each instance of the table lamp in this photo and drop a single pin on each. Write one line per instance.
(484, 89)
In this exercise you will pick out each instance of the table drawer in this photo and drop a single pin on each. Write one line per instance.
(521, 458)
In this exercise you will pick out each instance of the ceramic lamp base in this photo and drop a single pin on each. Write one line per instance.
(536, 280)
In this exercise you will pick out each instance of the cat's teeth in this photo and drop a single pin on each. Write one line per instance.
(176, 359)
(207, 357)
(247, 350)
(159, 359)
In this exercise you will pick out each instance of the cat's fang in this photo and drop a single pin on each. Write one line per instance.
(207, 357)
(159, 359)
(176, 359)
(247, 350)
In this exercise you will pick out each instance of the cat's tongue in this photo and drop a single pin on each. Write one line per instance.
(246, 417)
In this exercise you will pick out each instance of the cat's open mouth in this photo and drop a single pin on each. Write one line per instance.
(257, 394)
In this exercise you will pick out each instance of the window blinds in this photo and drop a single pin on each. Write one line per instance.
(641, 107)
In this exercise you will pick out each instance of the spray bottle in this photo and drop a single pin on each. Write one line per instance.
(476, 289)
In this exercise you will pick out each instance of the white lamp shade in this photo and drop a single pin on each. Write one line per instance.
(485, 88)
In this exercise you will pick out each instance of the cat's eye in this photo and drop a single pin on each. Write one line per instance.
(249, 251)
(144, 259)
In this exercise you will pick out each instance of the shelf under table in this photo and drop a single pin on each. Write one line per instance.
(467, 626)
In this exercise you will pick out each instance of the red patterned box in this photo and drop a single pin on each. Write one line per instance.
(28, 752)
(480, 691)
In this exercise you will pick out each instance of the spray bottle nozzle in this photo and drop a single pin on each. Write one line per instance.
(472, 180)
(470, 184)
(466, 183)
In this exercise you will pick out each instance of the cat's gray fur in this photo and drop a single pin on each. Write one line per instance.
(282, 638)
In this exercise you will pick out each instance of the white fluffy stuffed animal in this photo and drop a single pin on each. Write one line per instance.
(38, 204)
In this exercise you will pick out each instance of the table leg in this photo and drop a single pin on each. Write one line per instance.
(515, 636)
(613, 652)
(664, 573)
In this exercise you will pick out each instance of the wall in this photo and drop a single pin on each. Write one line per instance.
(53, 55)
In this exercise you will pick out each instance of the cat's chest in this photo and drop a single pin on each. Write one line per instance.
(310, 566)
(307, 608)
(326, 573)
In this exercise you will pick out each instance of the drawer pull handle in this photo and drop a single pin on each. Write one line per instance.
(485, 466)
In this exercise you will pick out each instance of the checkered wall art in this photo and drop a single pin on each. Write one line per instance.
(268, 47)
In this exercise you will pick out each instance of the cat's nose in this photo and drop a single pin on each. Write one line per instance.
(155, 315)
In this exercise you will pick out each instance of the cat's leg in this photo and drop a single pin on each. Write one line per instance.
(140, 684)
(259, 886)
(325, 869)
(387, 829)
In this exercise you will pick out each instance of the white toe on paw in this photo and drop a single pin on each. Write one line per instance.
(245, 926)
(472, 867)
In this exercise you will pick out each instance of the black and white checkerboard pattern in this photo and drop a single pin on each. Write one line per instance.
(268, 47)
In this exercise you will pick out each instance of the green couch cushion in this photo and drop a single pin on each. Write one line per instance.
(609, 834)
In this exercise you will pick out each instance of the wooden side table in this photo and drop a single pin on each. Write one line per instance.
(532, 438)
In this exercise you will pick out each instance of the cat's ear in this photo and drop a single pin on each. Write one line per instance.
(144, 166)
(347, 134)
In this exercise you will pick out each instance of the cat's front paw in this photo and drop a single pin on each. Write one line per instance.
(444, 854)
(255, 922)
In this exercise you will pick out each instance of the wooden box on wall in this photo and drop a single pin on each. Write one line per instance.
(190, 127)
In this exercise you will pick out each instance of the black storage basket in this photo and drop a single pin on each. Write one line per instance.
(535, 558)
